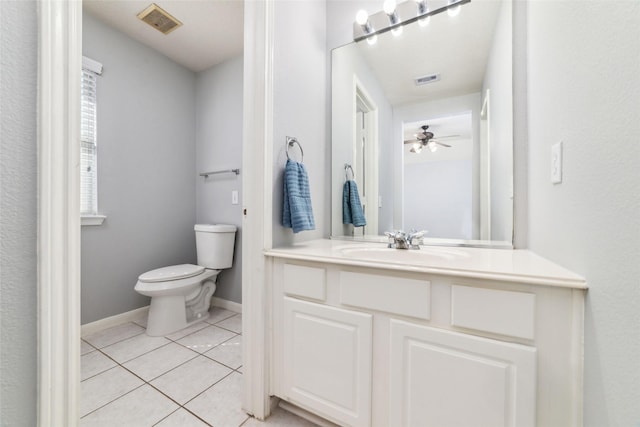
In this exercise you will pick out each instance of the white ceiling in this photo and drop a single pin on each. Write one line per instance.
(212, 30)
(455, 47)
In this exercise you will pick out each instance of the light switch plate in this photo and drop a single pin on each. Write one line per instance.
(556, 163)
(234, 197)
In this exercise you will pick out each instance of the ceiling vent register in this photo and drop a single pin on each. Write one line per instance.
(423, 80)
(159, 19)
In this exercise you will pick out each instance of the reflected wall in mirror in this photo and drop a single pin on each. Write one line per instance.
(462, 191)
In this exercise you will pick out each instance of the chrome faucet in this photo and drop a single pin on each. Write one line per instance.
(401, 240)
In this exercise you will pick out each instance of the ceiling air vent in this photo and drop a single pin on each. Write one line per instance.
(159, 19)
(426, 79)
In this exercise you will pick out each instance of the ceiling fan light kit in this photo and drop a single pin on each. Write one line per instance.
(427, 139)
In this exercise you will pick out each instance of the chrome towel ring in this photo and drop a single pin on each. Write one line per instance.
(290, 141)
(347, 168)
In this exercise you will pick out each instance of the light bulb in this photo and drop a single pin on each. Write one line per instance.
(424, 21)
(453, 11)
(389, 6)
(372, 40)
(432, 146)
(397, 31)
(362, 17)
(417, 145)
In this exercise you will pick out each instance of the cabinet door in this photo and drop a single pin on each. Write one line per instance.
(327, 361)
(443, 378)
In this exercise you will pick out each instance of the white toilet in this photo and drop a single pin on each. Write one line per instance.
(181, 294)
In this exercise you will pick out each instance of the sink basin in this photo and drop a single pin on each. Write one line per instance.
(411, 256)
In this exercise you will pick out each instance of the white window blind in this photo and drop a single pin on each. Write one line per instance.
(88, 139)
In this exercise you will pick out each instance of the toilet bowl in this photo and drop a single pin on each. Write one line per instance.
(181, 294)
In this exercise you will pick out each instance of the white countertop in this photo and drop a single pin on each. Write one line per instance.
(522, 266)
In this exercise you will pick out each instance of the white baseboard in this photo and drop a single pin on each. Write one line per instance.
(226, 304)
(129, 316)
(313, 418)
(112, 321)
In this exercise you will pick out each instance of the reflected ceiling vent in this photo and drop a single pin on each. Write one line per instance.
(426, 79)
(159, 19)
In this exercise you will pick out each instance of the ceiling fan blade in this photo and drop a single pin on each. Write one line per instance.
(441, 143)
(412, 141)
(448, 136)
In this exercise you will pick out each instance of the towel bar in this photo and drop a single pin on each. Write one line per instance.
(206, 174)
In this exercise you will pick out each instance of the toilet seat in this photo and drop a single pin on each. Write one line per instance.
(173, 272)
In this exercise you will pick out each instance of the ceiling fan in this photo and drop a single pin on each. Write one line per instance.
(427, 139)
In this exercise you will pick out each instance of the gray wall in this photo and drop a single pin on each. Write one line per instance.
(18, 213)
(219, 146)
(586, 92)
(146, 170)
(300, 109)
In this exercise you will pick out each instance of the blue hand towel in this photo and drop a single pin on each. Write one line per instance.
(297, 212)
(352, 212)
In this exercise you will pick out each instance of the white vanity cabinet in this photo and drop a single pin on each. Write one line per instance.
(444, 378)
(373, 344)
(327, 360)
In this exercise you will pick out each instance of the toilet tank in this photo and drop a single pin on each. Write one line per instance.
(214, 245)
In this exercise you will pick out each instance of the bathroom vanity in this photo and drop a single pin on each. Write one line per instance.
(363, 335)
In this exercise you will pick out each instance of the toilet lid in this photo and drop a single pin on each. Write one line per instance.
(173, 272)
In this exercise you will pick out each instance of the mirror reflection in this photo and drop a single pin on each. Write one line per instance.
(422, 125)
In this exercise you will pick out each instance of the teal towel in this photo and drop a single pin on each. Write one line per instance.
(352, 212)
(296, 212)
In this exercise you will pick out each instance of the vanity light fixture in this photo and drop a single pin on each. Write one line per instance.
(389, 8)
(455, 10)
(395, 15)
(362, 18)
(423, 9)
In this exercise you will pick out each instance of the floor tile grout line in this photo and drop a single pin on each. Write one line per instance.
(203, 391)
(145, 382)
(168, 415)
(197, 416)
(185, 346)
(129, 360)
(98, 348)
(113, 400)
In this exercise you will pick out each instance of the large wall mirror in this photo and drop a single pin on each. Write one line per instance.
(422, 124)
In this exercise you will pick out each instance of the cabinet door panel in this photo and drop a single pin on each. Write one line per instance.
(327, 360)
(443, 378)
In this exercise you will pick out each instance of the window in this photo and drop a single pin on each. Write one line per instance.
(88, 140)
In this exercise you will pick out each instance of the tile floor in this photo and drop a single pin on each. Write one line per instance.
(190, 378)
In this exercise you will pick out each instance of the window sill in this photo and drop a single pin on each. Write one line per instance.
(92, 219)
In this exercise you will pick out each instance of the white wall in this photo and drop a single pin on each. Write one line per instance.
(584, 89)
(18, 212)
(299, 90)
(347, 66)
(408, 113)
(146, 170)
(218, 147)
(449, 184)
(499, 81)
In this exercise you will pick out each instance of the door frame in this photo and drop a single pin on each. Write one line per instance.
(59, 65)
(364, 102)
(58, 340)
